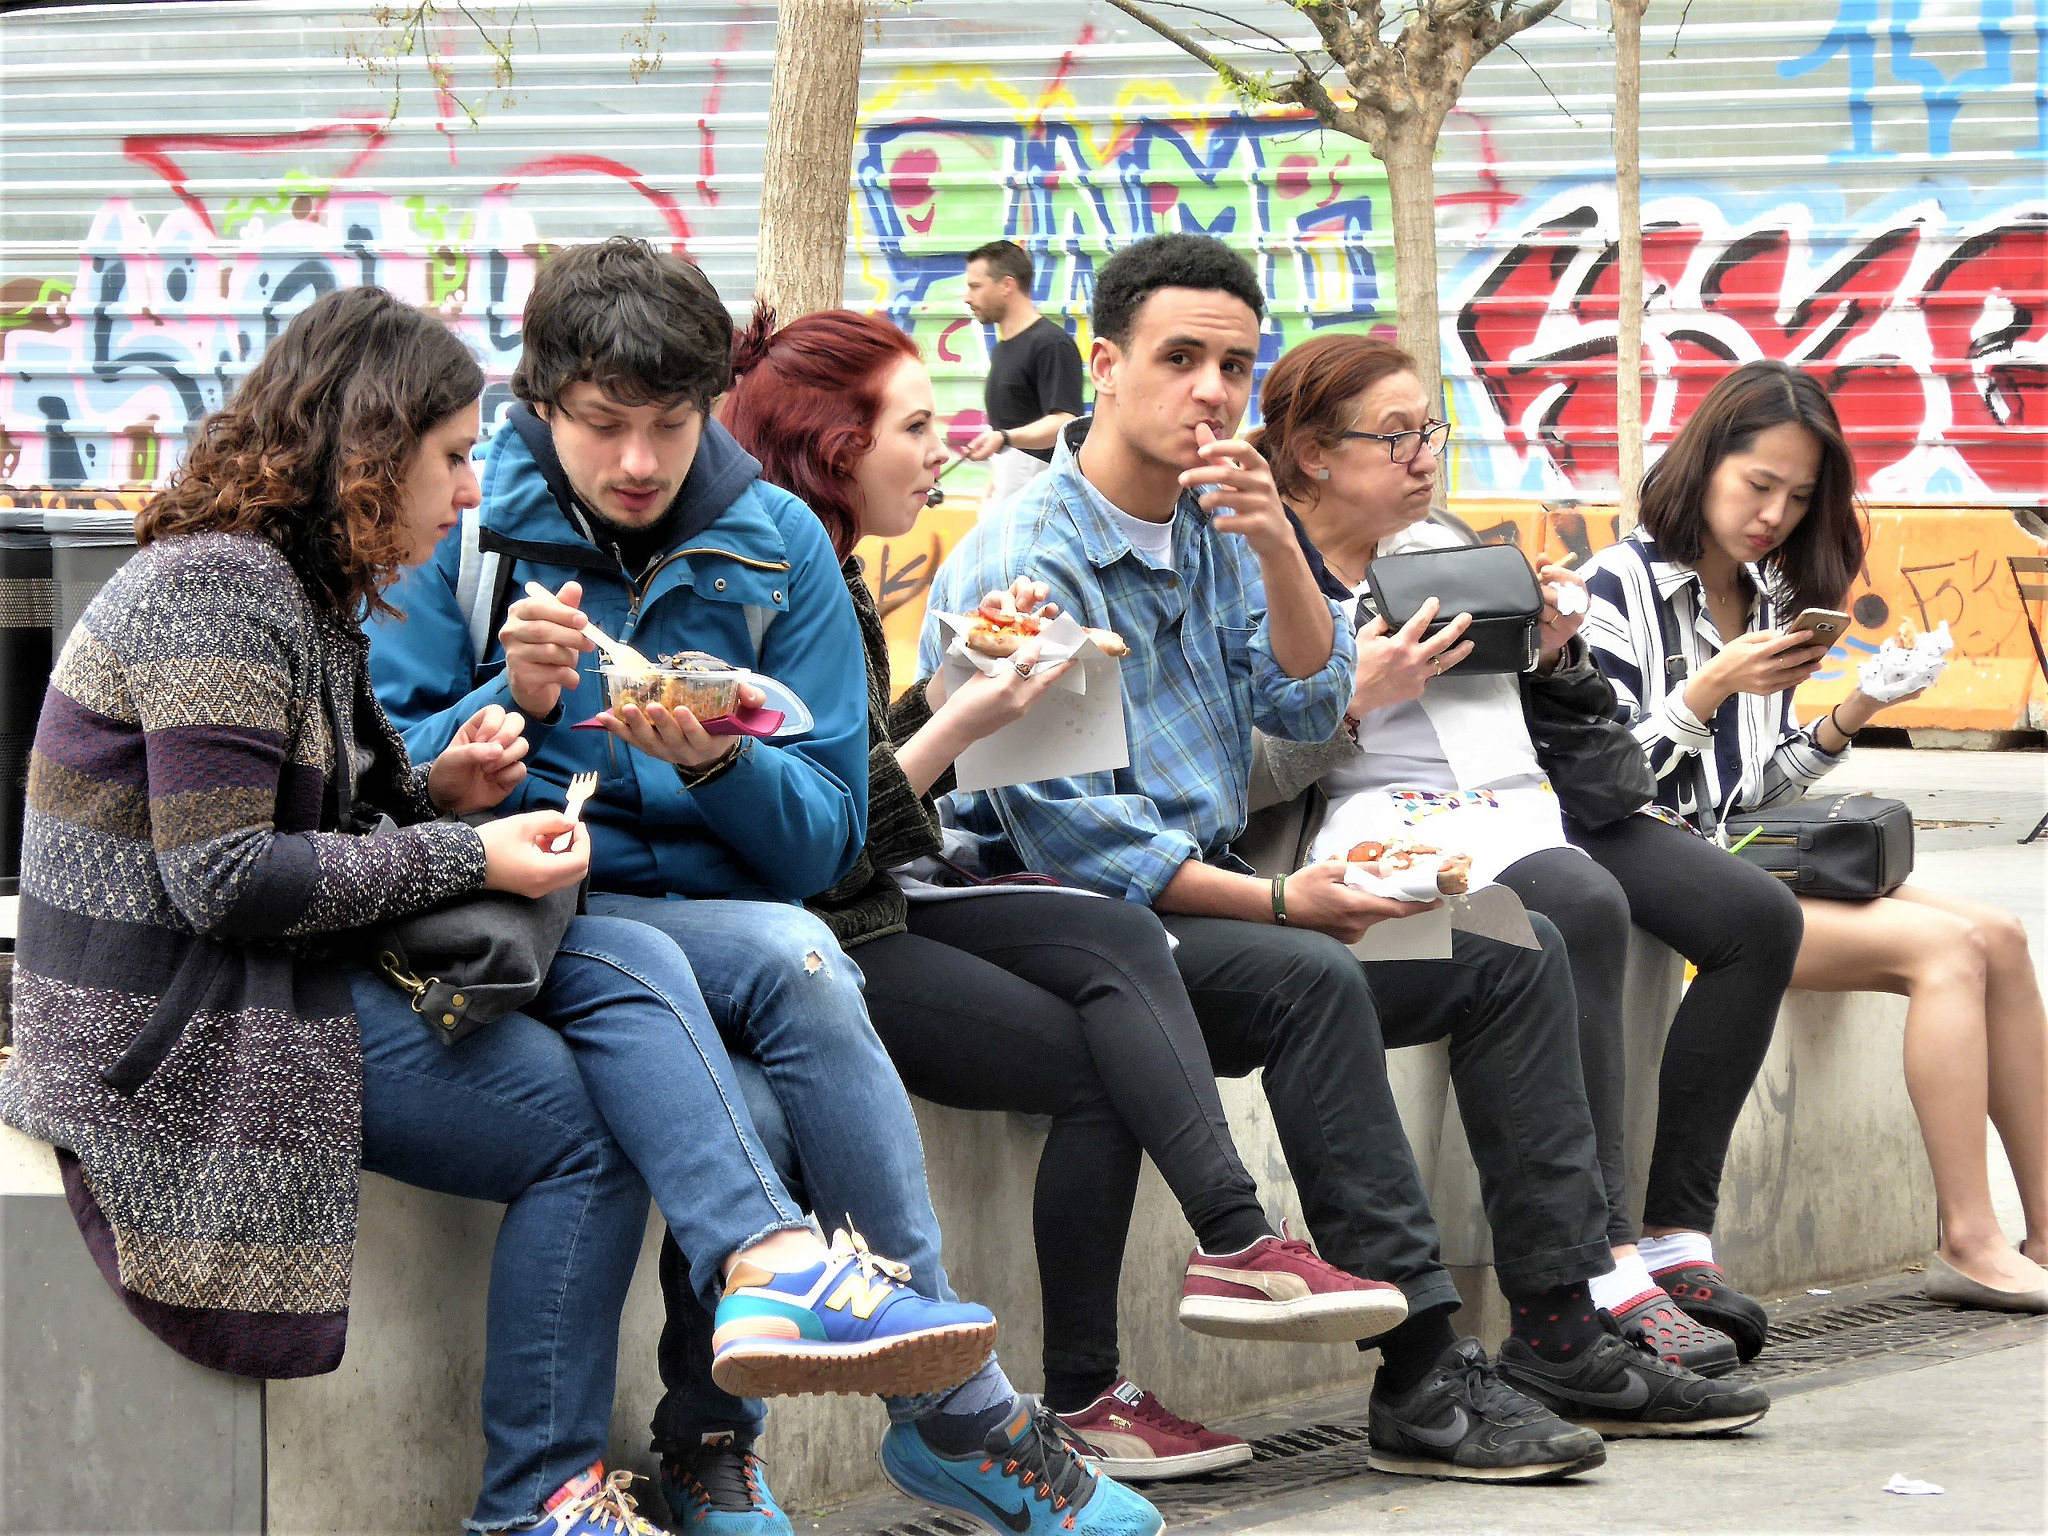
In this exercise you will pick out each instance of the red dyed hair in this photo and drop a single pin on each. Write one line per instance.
(804, 402)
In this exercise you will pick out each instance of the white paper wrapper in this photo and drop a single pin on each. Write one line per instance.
(1897, 670)
(1415, 883)
(1570, 598)
(1058, 640)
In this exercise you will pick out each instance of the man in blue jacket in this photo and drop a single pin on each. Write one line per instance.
(611, 488)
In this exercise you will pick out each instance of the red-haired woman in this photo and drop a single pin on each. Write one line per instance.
(1044, 1001)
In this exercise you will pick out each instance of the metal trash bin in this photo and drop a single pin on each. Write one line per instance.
(86, 548)
(28, 613)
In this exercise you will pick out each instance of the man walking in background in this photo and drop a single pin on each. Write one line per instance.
(1034, 372)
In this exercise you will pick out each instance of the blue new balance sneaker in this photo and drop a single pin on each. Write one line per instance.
(591, 1504)
(1028, 1479)
(719, 1487)
(849, 1324)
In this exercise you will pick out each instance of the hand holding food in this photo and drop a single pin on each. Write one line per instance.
(1000, 628)
(661, 708)
(543, 636)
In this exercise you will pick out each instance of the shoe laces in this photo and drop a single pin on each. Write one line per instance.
(1152, 1411)
(848, 1243)
(1047, 1459)
(724, 1475)
(609, 1505)
(1480, 1384)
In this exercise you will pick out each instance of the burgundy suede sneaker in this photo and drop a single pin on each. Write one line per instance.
(1280, 1288)
(1134, 1438)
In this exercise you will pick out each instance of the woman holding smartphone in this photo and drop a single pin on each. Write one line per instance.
(1751, 514)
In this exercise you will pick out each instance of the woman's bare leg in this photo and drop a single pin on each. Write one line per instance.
(2016, 1027)
(1937, 960)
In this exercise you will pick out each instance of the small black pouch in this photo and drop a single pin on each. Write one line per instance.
(1492, 582)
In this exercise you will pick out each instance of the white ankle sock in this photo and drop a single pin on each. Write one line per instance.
(1629, 1278)
(1678, 1248)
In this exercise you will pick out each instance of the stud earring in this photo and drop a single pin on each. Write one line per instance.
(1322, 474)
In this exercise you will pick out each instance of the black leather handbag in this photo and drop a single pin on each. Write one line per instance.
(1492, 582)
(1848, 847)
(1594, 761)
(481, 956)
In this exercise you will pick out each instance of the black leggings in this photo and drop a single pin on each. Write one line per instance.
(1058, 1004)
(1736, 924)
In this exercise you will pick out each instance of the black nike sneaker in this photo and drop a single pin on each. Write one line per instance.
(1462, 1421)
(1624, 1390)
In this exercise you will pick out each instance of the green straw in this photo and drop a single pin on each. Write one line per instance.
(1747, 838)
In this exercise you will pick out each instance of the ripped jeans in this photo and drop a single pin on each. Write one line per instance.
(785, 997)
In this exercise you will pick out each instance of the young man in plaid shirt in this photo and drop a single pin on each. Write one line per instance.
(1157, 522)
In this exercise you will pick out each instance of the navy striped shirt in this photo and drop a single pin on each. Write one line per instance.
(1751, 754)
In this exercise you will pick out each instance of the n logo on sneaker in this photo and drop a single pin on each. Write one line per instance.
(861, 1294)
(1277, 1284)
(1018, 1519)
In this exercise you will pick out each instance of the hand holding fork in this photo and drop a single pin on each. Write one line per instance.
(581, 788)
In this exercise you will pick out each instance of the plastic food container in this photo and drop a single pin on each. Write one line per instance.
(708, 692)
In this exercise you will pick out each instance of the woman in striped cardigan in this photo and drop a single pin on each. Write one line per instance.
(1748, 519)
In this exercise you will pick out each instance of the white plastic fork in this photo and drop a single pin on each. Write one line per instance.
(581, 788)
(617, 652)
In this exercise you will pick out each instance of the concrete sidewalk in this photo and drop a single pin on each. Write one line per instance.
(1974, 1426)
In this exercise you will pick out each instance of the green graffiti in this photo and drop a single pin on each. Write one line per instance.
(52, 291)
(239, 212)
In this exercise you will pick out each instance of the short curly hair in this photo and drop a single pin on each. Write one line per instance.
(1137, 272)
(312, 450)
(644, 326)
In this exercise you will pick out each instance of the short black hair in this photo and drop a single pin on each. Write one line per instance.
(644, 326)
(1005, 258)
(1135, 273)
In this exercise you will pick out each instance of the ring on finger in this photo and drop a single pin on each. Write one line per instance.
(1025, 668)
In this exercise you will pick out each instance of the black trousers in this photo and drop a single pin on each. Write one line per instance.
(1069, 1006)
(1736, 924)
(1297, 1007)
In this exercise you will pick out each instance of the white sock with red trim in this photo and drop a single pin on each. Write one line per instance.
(1622, 1284)
(1678, 1248)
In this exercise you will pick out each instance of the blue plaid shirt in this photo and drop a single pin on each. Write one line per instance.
(1201, 674)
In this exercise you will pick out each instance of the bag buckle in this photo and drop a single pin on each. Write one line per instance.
(406, 982)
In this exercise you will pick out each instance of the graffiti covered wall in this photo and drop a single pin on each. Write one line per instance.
(1852, 185)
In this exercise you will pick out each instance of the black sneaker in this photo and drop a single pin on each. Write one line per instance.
(1624, 1390)
(1462, 1421)
(1705, 1294)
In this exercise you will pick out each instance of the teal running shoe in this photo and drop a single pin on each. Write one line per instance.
(719, 1487)
(849, 1324)
(1028, 1479)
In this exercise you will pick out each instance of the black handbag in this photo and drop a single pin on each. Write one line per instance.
(476, 958)
(1594, 761)
(1492, 582)
(1848, 847)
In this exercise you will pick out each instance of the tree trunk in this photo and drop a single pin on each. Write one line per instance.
(1409, 154)
(813, 108)
(1628, 200)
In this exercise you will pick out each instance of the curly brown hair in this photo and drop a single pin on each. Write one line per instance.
(312, 450)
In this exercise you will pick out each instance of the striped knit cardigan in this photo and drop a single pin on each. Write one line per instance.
(184, 1033)
(902, 824)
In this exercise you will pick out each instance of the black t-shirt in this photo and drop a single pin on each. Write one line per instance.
(1037, 371)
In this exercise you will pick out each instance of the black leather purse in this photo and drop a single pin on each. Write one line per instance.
(1492, 582)
(1847, 847)
(1594, 762)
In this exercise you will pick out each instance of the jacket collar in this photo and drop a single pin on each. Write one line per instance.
(1102, 542)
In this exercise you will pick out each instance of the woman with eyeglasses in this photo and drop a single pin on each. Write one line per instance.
(1448, 761)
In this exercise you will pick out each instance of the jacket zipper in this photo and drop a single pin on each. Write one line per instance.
(635, 591)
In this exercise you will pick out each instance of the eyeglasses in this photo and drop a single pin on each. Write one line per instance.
(1402, 447)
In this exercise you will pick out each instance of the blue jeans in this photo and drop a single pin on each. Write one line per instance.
(569, 1124)
(784, 995)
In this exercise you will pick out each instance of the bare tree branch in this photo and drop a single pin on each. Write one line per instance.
(1514, 23)
(1307, 64)
(1305, 89)
(1567, 111)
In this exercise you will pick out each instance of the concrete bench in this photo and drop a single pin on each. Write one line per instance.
(1826, 1182)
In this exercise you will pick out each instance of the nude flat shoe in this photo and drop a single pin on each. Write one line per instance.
(1947, 1283)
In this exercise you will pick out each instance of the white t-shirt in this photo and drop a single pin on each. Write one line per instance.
(1153, 541)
